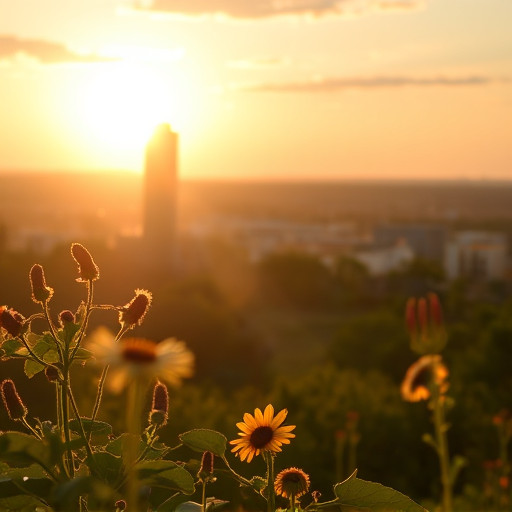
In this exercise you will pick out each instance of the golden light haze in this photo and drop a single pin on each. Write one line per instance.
(350, 89)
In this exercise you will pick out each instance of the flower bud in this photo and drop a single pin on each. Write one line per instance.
(206, 470)
(160, 405)
(11, 321)
(134, 312)
(120, 505)
(41, 293)
(15, 407)
(52, 374)
(87, 269)
(66, 317)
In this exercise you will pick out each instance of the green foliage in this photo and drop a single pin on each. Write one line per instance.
(202, 440)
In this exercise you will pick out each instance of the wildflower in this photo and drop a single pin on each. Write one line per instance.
(160, 405)
(87, 269)
(428, 371)
(15, 407)
(291, 482)
(262, 432)
(205, 473)
(11, 321)
(41, 293)
(139, 358)
(424, 320)
(134, 312)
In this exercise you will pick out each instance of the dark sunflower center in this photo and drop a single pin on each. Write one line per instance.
(261, 437)
(139, 352)
(292, 478)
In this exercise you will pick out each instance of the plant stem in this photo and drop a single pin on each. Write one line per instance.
(80, 424)
(83, 327)
(52, 331)
(32, 429)
(271, 498)
(65, 420)
(133, 410)
(442, 447)
(292, 502)
(203, 498)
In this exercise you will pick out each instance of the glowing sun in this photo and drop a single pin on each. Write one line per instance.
(124, 101)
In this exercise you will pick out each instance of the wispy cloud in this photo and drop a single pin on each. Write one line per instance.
(47, 52)
(271, 8)
(336, 84)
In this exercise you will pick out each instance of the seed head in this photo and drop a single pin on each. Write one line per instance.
(292, 482)
(11, 321)
(66, 317)
(51, 373)
(206, 470)
(41, 293)
(160, 405)
(133, 313)
(15, 407)
(87, 269)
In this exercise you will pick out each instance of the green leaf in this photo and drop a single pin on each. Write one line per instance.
(11, 346)
(23, 450)
(30, 481)
(96, 427)
(22, 504)
(107, 467)
(362, 494)
(83, 353)
(119, 445)
(45, 350)
(99, 495)
(165, 474)
(32, 368)
(202, 440)
(67, 333)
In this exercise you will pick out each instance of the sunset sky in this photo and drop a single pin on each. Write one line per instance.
(260, 88)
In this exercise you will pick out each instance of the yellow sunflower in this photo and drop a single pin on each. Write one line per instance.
(292, 482)
(426, 372)
(262, 432)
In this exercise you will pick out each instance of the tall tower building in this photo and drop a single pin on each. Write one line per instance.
(160, 196)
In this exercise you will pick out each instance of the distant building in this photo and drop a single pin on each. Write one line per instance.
(382, 260)
(160, 196)
(477, 255)
(427, 241)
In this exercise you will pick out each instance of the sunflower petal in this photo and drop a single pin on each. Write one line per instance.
(268, 415)
(280, 417)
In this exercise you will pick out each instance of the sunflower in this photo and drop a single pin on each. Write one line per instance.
(262, 432)
(291, 482)
(428, 371)
(142, 359)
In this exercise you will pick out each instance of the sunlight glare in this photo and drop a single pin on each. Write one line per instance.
(124, 101)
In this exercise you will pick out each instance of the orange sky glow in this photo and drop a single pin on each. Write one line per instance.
(407, 89)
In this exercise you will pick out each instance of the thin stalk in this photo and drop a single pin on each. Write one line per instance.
(65, 422)
(52, 331)
(134, 407)
(83, 327)
(292, 502)
(30, 427)
(59, 405)
(442, 447)
(80, 424)
(240, 478)
(203, 498)
(271, 499)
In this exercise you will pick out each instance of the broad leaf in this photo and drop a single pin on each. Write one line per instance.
(31, 481)
(22, 503)
(362, 494)
(96, 427)
(106, 467)
(202, 440)
(23, 450)
(119, 445)
(11, 346)
(165, 474)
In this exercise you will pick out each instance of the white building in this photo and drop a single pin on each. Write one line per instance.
(476, 254)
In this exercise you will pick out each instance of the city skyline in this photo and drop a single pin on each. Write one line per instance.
(289, 90)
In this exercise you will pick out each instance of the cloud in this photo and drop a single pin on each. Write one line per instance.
(46, 52)
(337, 84)
(271, 8)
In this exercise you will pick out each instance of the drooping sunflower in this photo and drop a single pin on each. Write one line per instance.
(139, 358)
(426, 372)
(291, 482)
(262, 432)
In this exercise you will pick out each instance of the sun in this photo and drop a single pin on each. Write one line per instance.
(123, 101)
